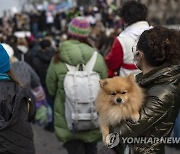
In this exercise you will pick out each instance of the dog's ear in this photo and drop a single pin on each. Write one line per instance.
(102, 83)
(131, 77)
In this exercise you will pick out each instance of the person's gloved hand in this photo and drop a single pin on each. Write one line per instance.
(41, 115)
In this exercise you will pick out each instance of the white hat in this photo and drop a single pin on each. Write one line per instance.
(8, 49)
(22, 34)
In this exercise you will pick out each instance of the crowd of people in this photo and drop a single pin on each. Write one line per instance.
(34, 52)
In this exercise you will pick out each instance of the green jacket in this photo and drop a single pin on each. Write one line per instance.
(71, 52)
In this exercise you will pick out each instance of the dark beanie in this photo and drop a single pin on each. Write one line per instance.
(4, 60)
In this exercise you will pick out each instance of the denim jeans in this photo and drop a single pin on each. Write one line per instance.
(177, 126)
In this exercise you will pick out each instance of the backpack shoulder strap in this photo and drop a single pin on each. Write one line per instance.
(70, 67)
(90, 64)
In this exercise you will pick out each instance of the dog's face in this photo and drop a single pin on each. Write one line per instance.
(118, 89)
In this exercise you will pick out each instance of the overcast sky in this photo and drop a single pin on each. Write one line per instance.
(8, 4)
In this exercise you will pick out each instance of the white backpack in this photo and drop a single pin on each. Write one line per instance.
(81, 89)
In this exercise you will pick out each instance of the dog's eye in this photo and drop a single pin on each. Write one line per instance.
(124, 92)
(113, 93)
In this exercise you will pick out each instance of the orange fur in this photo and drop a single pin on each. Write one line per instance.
(119, 98)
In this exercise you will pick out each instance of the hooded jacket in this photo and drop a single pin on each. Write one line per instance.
(16, 135)
(71, 52)
(25, 73)
(158, 113)
(120, 59)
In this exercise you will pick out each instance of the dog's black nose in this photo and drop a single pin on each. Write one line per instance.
(119, 100)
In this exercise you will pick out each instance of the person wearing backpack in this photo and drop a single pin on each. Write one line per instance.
(75, 68)
(17, 110)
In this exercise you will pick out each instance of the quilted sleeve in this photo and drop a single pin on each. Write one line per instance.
(51, 79)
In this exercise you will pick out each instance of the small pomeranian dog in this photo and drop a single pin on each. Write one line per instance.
(120, 98)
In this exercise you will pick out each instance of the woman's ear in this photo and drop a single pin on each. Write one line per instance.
(140, 55)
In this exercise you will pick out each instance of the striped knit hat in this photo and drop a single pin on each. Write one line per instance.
(79, 27)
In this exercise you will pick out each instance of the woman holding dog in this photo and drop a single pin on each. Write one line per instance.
(157, 54)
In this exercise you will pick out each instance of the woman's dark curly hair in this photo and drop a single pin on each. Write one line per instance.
(133, 11)
(160, 45)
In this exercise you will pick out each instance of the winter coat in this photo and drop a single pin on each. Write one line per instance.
(16, 112)
(25, 74)
(158, 113)
(120, 59)
(41, 61)
(71, 52)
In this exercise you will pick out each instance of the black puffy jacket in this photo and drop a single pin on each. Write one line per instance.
(157, 115)
(16, 111)
(41, 61)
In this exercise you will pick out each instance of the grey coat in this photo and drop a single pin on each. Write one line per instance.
(25, 74)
